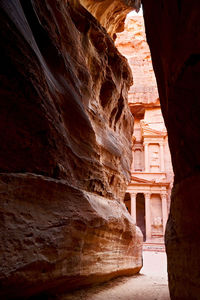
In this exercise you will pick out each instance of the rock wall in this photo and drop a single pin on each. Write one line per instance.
(65, 151)
(111, 14)
(173, 34)
(133, 45)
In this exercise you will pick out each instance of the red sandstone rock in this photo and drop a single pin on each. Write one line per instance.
(111, 14)
(83, 101)
(55, 237)
(173, 34)
(133, 45)
(65, 151)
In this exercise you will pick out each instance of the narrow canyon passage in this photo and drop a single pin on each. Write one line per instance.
(150, 284)
(84, 156)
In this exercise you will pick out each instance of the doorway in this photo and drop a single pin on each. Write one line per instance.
(140, 214)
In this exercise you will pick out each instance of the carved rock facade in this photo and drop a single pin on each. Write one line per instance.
(148, 193)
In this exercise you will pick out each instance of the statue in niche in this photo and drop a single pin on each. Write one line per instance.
(157, 222)
(155, 159)
(157, 226)
(138, 160)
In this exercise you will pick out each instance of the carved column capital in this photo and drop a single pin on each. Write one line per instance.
(147, 195)
(163, 195)
(133, 195)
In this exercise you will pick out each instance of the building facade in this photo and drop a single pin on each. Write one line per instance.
(148, 194)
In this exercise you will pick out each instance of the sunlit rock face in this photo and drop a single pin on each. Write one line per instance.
(55, 237)
(111, 14)
(133, 45)
(65, 151)
(173, 34)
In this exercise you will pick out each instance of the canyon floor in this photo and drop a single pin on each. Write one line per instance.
(150, 284)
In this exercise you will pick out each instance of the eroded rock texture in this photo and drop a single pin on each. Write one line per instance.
(111, 14)
(133, 45)
(65, 151)
(56, 237)
(173, 34)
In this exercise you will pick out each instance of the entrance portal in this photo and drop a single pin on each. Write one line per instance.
(140, 213)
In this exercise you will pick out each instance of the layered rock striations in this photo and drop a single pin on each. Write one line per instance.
(65, 151)
(173, 34)
(55, 237)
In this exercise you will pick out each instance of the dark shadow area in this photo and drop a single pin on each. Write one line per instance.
(140, 213)
(127, 202)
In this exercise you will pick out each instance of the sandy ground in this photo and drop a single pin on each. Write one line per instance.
(150, 284)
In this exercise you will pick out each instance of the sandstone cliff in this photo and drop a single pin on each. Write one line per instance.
(173, 34)
(133, 45)
(65, 151)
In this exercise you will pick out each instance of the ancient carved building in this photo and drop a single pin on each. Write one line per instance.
(148, 194)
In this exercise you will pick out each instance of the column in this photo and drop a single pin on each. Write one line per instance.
(146, 157)
(148, 216)
(133, 206)
(164, 210)
(162, 167)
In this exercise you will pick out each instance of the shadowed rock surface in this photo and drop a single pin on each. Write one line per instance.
(173, 34)
(65, 152)
(65, 125)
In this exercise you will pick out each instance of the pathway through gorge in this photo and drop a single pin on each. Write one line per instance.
(150, 284)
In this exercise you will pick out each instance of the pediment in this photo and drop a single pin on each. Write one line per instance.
(135, 179)
(150, 131)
